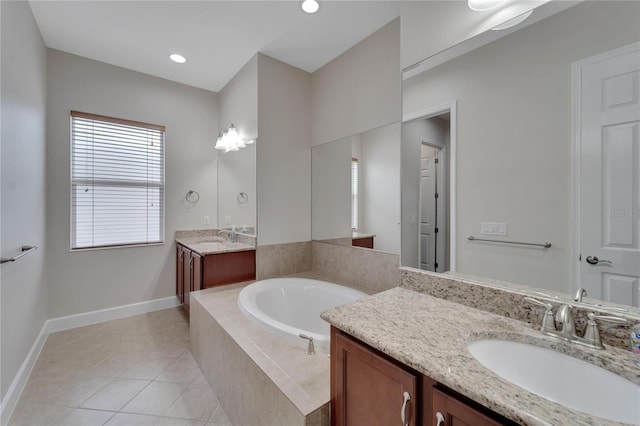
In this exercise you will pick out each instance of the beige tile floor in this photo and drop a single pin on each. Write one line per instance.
(131, 371)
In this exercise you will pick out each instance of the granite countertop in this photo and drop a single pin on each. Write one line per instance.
(430, 335)
(362, 235)
(205, 245)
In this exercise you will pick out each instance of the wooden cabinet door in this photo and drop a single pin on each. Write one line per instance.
(180, 273)
(456, 413)
(186, 267)
(196, 272)
(366, 388)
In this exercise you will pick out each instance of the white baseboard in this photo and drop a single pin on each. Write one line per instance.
(10, 400)
(65, 323)
(102, 315)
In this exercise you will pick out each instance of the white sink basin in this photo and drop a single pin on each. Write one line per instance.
(561, 378)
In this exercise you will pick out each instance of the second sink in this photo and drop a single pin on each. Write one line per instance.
(561, 378)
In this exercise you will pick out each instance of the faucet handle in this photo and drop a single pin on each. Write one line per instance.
(591, 332)
(548, 322)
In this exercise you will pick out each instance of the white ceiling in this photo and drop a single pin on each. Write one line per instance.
(216, 37)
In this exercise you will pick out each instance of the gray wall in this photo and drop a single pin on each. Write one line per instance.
(284, 153)
(22, 151)
(96, 279)
(238, 105)
(514, 140)
(360, 90)
(429, 27)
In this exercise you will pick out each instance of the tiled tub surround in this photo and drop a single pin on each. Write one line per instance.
(278, 260)
(365, 269)
(207, 241)
(506, 299)
(260, 378)
(430, 335)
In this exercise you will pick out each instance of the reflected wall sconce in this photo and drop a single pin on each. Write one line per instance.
(229, 140)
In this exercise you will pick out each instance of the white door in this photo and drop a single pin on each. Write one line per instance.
(427, 207)
(610, 177)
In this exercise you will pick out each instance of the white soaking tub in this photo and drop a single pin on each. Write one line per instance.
(292, 306)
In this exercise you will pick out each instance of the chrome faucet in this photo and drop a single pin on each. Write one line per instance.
(310, 348)
(567, 332)
(224, 233)
(565, 317)
(580, 294)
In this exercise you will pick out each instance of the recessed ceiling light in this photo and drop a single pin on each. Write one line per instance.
(178, 58)
(310, 6)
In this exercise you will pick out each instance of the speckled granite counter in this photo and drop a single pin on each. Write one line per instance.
(430, 335)
(208, 242)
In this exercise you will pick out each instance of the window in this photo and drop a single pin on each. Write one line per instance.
(117, 182)
(354, 193)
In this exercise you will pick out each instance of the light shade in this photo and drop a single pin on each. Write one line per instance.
(229, 140)
(482, 5)
(513, 22)
(310, 6)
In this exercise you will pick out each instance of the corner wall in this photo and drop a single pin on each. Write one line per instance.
(284, 153)
(89, 280)
(22, 214)
(360, 90)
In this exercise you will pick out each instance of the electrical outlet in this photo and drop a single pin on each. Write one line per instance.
(205, 220)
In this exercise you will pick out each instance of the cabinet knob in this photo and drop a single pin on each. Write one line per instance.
(403, 411)
(439, 419)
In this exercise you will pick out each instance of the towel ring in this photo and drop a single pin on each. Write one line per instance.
(242, 198)
(192, 196)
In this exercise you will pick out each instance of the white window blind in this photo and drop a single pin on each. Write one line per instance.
(117, 182)
(354, 193)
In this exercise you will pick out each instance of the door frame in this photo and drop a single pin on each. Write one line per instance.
(433, 111)
(576, 150)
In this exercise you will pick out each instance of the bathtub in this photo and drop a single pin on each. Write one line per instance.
(292, 306)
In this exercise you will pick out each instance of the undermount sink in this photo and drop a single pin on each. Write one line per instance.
(560, 378)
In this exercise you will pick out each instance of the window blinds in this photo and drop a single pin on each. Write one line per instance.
(117, 182)
(354, 193)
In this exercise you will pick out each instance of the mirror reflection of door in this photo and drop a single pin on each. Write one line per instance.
(434, 195)
(609, 214)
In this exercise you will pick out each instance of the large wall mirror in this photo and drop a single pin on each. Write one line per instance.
(530, 136)
(355, 187)
(237, 189)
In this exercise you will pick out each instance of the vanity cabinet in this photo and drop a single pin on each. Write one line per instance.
(197, 272)
(188, 274)
(366, 242)
(367, 388)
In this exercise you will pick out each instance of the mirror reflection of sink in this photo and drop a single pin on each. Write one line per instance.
(561, 378)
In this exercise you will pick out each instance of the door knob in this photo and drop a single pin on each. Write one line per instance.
(593, 260)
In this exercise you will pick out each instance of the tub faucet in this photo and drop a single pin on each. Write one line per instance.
(310, 348)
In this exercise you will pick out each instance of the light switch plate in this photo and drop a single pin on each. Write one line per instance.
(493, 228)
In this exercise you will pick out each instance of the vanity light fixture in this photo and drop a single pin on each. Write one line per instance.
(513, 22)
(177, 58)
(310, 6)
(229, 139)
(484, 5)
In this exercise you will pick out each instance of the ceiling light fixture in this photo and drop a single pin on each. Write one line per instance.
(483, 5)
(310, 6)
(177, 58)
(229, 139)
(513, 22)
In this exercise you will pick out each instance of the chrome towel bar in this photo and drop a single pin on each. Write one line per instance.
(25, 250)
(545, 245)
